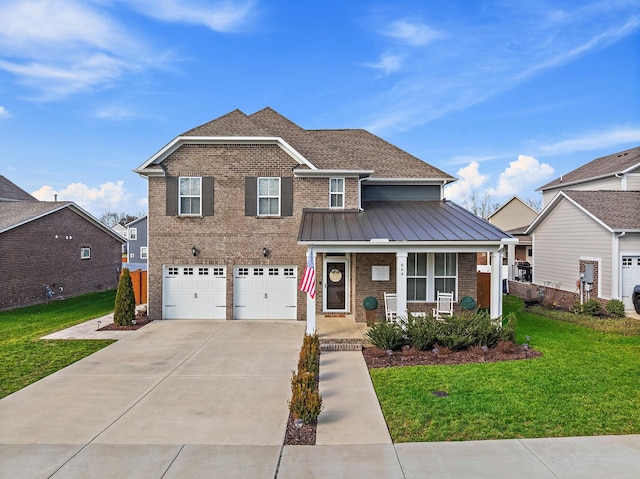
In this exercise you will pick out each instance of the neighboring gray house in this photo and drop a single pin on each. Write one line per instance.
(586, 241)
(137, 244)
(52, 249)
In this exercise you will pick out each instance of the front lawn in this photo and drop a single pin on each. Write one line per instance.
(585, 384)
(25, 358)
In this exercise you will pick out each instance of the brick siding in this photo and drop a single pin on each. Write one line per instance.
(47, 251)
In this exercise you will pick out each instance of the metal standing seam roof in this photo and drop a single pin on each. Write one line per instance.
(408, 221)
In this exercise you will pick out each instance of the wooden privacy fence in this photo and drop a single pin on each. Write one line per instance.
(139, 281)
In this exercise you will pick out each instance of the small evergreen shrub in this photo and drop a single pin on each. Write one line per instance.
(615, 308)
(422, 331)
(309, 359)
(460, 332)
(370, 303)
(592, 307)
(306, 402)
(385, 335)
(125, 306)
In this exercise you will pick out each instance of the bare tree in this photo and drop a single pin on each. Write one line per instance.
(535, 203)
(482, 206)
(112, 218)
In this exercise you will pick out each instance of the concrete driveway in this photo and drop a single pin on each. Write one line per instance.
(174, 396)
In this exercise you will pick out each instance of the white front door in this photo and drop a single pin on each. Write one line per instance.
(265, 292)
(630, 278)
(194, 292)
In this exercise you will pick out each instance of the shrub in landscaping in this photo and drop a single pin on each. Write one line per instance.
(592, 307)
(460, 332)
(306, 401)
(422, 331)
(615, 308)
(309, 359)
(125, 306)
(385, 335)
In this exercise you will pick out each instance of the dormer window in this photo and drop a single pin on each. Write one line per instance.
(336, 192)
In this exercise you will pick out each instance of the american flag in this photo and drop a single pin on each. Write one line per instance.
(308, 283)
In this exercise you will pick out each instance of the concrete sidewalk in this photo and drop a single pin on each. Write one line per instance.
(203, 399)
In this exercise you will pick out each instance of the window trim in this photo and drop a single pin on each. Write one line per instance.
(259, 197)
(83, 250)
(181, 196)
(446, 276)
(339, 194)
(144, 252)
(430, 277)
(132, 234)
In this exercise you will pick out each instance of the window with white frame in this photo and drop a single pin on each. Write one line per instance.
(336, 192)
(417, 277)
(85, 253)
(133, 234)
(445, 273)
(143, 252)
(268, 196)
(189, 195)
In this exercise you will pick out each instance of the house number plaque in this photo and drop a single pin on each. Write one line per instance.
(379, 273)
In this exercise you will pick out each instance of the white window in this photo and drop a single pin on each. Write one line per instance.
(268, 196)
(189, 195)
(417, 277)
(133, 234)
(143, 252)
(336, 192)
(85, 253)
(445, 273)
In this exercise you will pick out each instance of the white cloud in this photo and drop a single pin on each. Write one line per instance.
(221, 16)
(388, 63)
(469, 179)
(412, 33)
(108, 196)
(594, 141)
(4, 113)
(521, 175)
(61, 47)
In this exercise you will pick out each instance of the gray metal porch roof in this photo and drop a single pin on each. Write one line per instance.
(407, 221)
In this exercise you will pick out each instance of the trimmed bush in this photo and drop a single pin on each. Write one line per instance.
(422, 331)
(460, 332)
(592, 307)
(615, 308)
(309, 359)
(125, 306)
(306, 401)
(385, 335)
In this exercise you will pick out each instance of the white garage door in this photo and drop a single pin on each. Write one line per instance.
(194, 292)
(630, 277)
(265, 292)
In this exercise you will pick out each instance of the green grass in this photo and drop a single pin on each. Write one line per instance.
(585, 384)
(25, 358)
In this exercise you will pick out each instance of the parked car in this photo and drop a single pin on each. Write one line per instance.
(635, 298)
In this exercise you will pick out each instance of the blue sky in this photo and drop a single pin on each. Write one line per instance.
(505, 95)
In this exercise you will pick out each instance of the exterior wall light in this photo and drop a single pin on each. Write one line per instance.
(265, 252)
(194, 251)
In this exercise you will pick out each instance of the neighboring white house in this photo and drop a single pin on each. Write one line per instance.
(586, 241)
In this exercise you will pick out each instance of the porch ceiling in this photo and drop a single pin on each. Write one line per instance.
(402, 221)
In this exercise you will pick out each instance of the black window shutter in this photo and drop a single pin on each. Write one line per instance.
(207, 196)
(286, 187)
(251, 196)
(172, 196)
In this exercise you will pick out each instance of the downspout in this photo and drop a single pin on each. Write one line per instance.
(360, 180)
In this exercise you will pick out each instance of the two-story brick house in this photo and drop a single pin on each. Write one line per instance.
(238, 204)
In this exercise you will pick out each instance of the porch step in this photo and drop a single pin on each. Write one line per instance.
(341, 344)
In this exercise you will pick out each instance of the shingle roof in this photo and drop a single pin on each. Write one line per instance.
(598, 168)
(398, 221)
(353, 149)
(11, 192)
(18, 212)
(620, 210)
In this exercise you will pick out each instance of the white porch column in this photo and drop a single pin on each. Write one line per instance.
(496, 284)
(511, 260)
(311, 302)
(401, 282)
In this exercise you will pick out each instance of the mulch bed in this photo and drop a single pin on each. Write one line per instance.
(305, 436)
(141, 320)
(408, 356)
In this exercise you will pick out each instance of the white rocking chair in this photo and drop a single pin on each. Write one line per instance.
(444, 305)
(391, 307)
